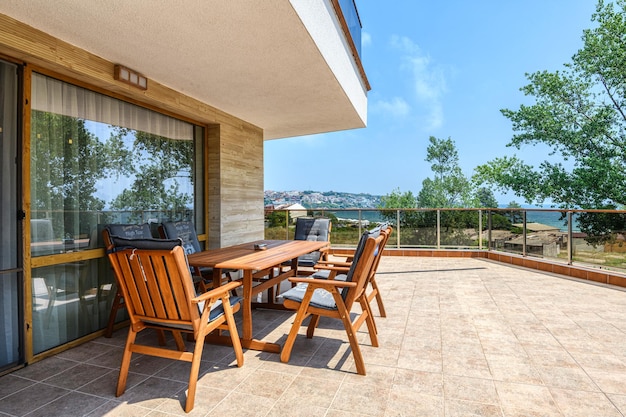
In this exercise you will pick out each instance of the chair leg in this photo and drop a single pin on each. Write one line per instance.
(118, 302)
(344, 314)
(193, 373)
(301, 314)
(232, 329)
(379, 299)
(369, 320)
(315, 320)
(121, 380)
(354, 345)
(178, 339)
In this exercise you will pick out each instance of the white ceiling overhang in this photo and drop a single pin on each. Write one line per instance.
(284, 66)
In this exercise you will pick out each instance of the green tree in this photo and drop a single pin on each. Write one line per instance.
(486, 198)
(580, 113)
(66, 161)
(449, 188)
(157, 163)
(515, 215)
(398, 200)
(276, 219)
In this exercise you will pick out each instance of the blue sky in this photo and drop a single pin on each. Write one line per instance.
(437, 68)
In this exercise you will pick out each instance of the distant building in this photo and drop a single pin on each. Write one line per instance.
(295, 210)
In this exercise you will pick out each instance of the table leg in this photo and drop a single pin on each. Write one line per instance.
(246, 336)
(217, 277)
(247, 305)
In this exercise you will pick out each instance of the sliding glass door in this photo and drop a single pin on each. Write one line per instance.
(11, 340)
(95, 160)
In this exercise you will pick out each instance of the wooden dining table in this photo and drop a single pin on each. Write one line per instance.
(255, 263)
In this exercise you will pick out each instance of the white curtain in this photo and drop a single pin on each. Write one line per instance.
(57, 97)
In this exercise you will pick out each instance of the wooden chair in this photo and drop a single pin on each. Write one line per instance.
(338, 269)
(129, 231)
(317, 229)
(154, 278)
(335, 298)
(185, 230)
(307, 228)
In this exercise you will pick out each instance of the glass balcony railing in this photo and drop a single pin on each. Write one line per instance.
(350, 13)
(592, 238)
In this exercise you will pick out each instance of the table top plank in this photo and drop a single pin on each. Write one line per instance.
(244, 256)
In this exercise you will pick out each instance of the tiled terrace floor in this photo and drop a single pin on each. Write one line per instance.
(463, 337)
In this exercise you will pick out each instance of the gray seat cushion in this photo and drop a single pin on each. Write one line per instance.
(321, 298)
(314, 230)
(184, 230)
(129, 231)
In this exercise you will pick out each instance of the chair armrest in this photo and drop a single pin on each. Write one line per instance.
(217, 292)
(323, 282)
(332, 267)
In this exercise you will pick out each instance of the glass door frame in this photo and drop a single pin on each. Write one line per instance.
(18, 271)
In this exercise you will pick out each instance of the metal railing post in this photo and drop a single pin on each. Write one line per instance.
(398, 231)
(489, 226)
(570, 239)
(438, 229)
(524, 233)
(480, 229)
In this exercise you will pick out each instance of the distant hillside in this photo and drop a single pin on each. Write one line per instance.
(326, 199)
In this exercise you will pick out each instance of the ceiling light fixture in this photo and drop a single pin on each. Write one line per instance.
(130, 77)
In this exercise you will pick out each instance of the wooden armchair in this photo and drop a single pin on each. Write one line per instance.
(335, 298)
(338, 269)
(317, 229)
(307, 228)
(155, 281)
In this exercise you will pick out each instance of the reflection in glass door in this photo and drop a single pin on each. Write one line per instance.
(11, 351)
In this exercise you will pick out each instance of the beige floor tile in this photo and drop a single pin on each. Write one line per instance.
(513, 369)
(457, 408)
(404, 402)
(584, 403)
(243, 404)
(369, 399)
(428, 383)
(470, 389)
(266, 383)
(525, 397)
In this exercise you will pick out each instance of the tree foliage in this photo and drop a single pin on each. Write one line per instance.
(66, 161)
(449, 187)
(398, 200)
(580, 113)
(155, 165)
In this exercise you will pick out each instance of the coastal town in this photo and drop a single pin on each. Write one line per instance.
(317, 199)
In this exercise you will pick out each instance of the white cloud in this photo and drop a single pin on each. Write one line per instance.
(397, 107)
(429, 83)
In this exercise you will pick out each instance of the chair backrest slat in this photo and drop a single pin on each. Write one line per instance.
(156, 284)
(155, 278)
(176, 297)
